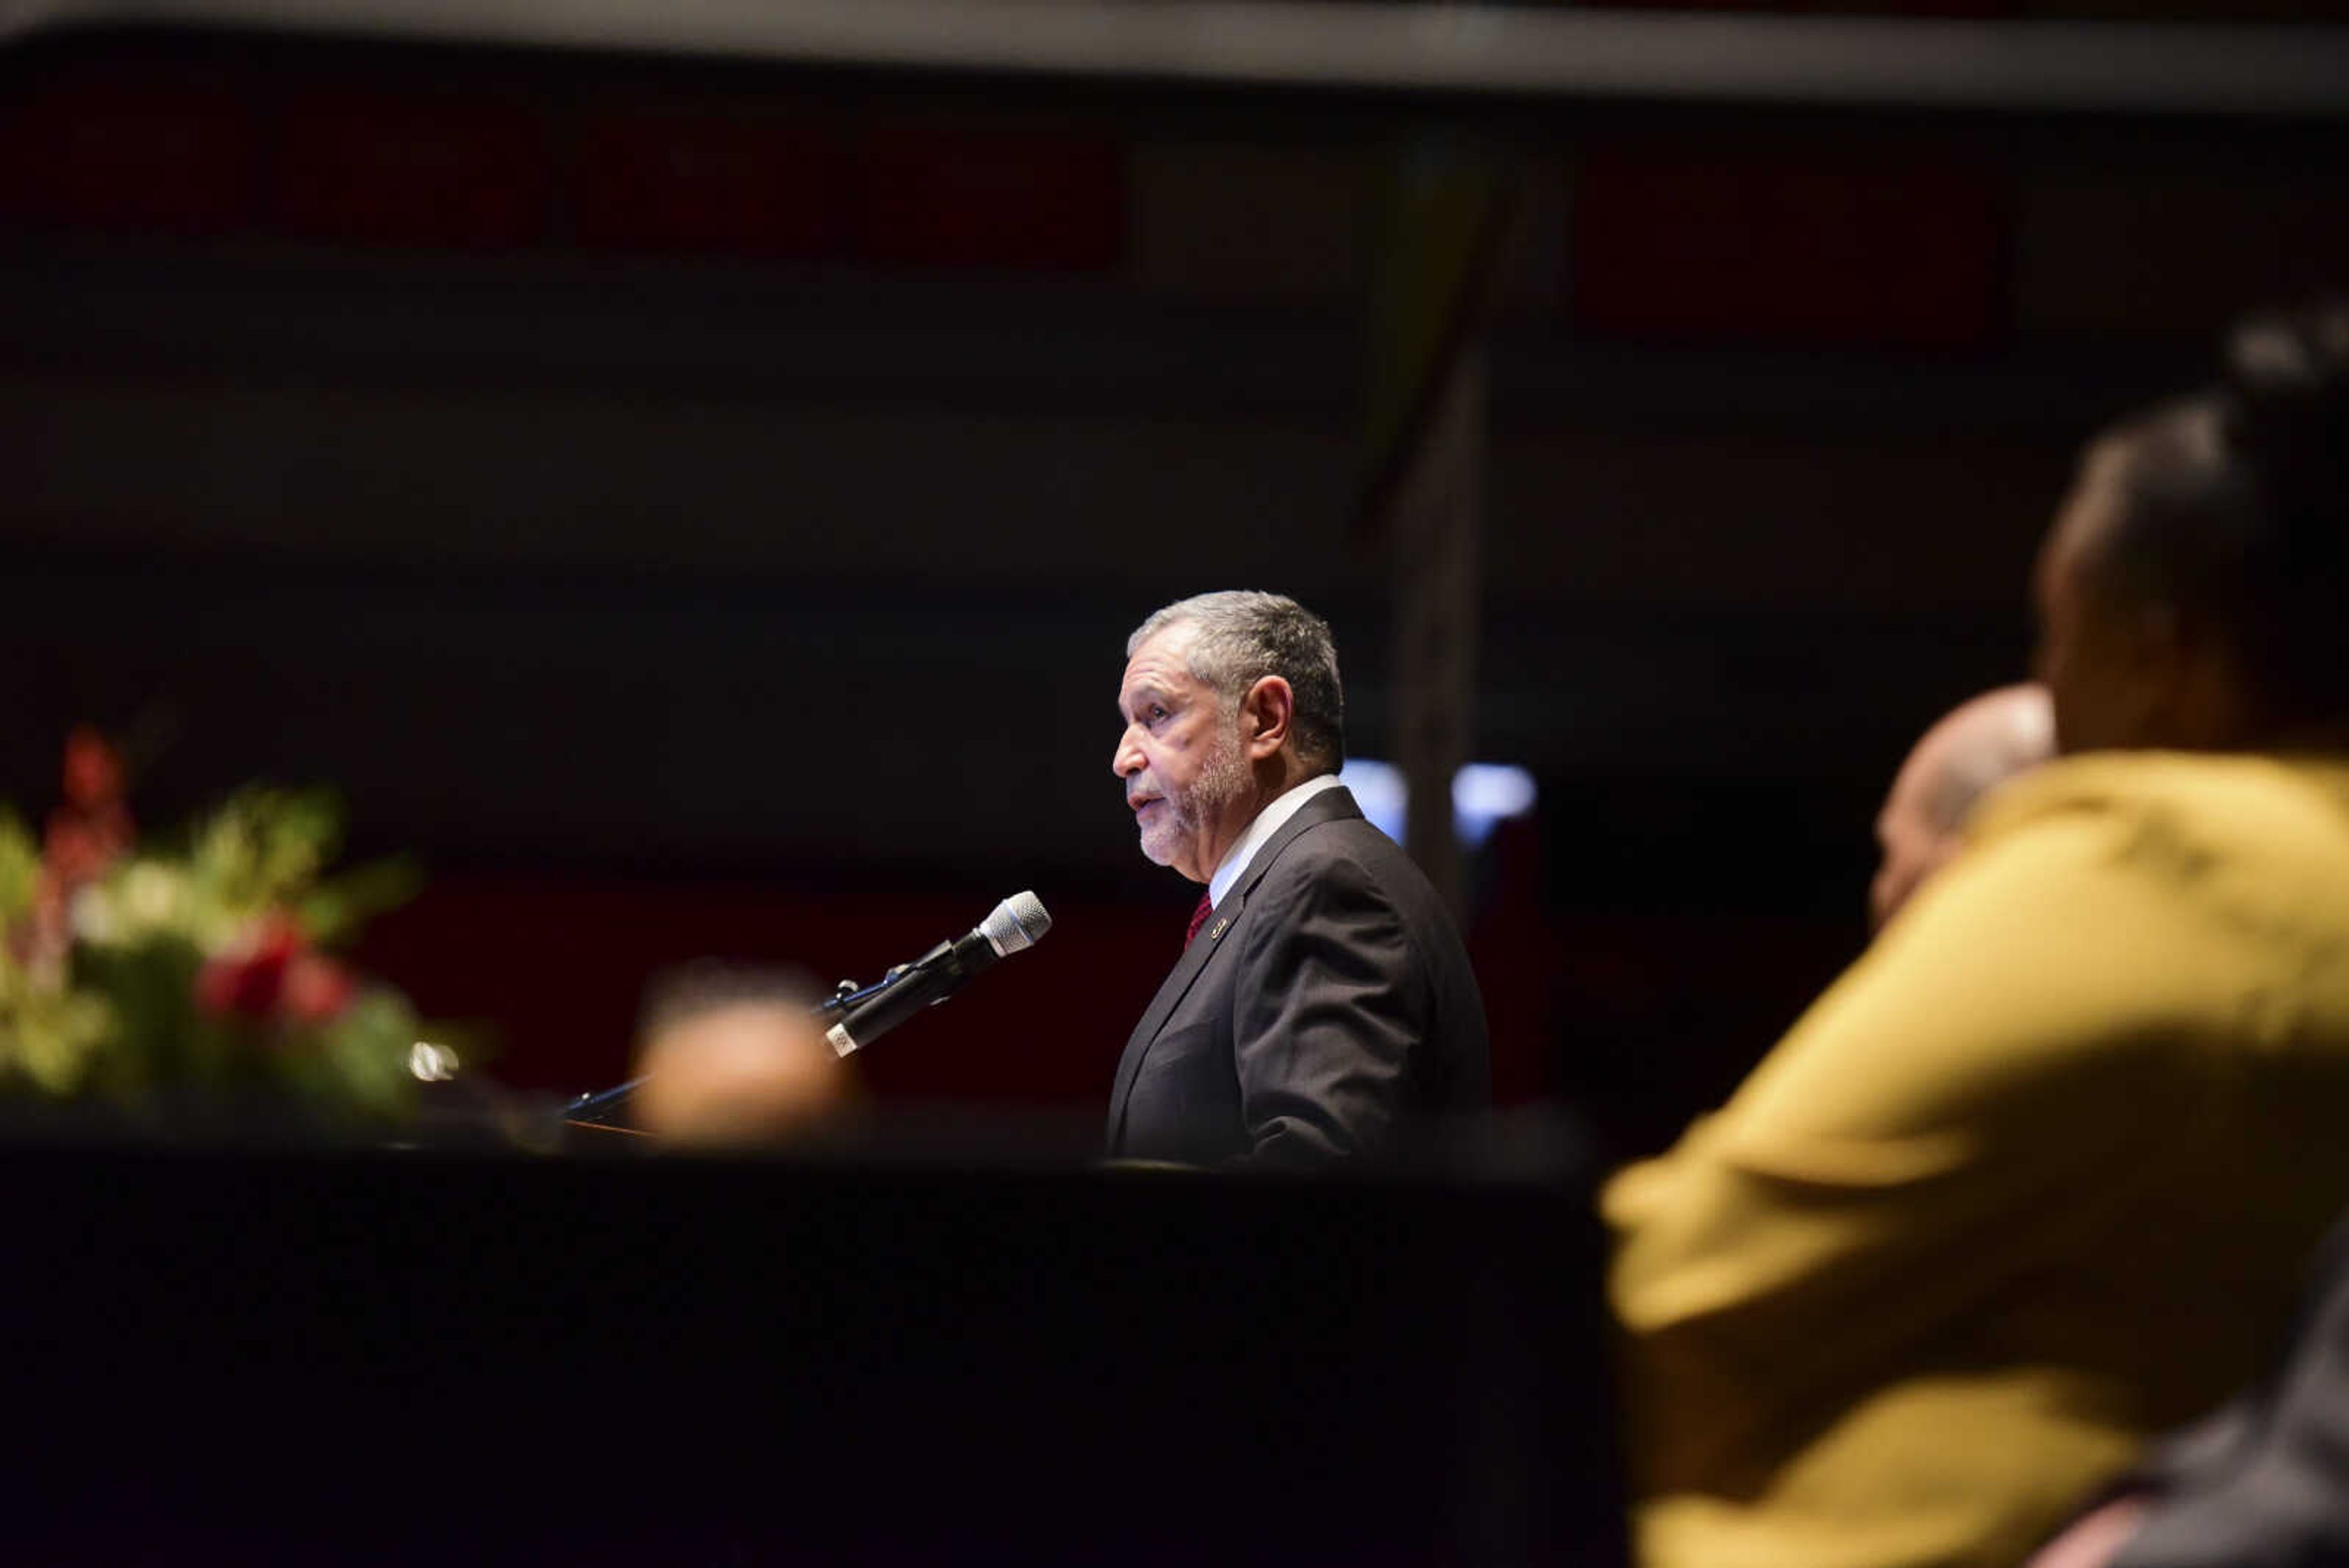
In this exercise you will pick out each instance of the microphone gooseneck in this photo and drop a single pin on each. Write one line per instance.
(1013, 925)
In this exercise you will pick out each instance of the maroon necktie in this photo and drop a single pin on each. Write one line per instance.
(1198, 918)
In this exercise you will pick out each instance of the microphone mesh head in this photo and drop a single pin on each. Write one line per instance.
(1019, 921)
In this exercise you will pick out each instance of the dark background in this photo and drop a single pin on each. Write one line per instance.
(700, 510)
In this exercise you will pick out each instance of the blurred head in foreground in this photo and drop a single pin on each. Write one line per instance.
(1980, 743)
(2191, 592)
(736, 1062)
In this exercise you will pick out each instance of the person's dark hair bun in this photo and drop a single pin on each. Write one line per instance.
(2284, 408)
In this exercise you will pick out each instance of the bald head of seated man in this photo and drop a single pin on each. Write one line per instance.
(1977, 745)
(732, 1061)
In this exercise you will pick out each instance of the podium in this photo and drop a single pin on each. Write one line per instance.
(391, 1356)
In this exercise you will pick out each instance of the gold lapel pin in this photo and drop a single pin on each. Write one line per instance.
(1217, 929)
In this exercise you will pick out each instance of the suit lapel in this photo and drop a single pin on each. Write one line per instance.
(1170, 992)
(1330, 805)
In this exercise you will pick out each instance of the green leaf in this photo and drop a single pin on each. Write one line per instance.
(20, 866)
(264, 846)
(367, 1050)
(335, 909)
(157, 1036)
(50, 1034)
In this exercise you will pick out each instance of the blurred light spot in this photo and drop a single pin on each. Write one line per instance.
(1483, 794)
(433, 1063)
(1378, 790)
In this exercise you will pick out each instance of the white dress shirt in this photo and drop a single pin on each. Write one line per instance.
(1268, 823)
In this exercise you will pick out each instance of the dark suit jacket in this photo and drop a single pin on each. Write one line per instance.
(2263, 1483)
(1326, 1000)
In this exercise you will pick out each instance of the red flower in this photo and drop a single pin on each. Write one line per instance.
(93, 771)
(248, 980)
(79, 845)
(316, 988)
(42, 941)
(92, 829)
(274, 974)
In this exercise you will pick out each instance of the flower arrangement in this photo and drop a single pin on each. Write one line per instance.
(199, 974)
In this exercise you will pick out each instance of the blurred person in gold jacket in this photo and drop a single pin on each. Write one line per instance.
(2038, 1177)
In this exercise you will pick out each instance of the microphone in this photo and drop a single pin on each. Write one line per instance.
(1016, 924)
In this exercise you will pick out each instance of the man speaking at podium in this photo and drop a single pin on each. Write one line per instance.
(1323, 998)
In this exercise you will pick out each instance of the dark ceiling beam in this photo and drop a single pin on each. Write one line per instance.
(1501, 54)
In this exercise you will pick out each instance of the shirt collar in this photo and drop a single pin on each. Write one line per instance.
(1268, 823)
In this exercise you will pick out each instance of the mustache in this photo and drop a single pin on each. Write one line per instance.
(1144, 789)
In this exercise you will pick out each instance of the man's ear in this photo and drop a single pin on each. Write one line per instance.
(1266, 713)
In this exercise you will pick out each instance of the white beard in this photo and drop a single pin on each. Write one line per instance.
(1222, 779)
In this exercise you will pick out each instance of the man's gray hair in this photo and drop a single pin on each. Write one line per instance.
(1242, 636)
